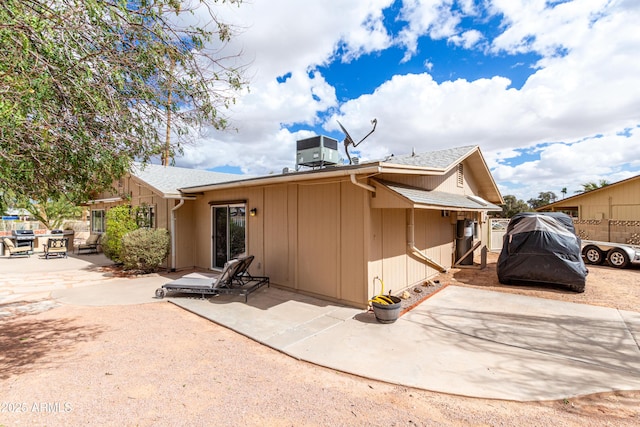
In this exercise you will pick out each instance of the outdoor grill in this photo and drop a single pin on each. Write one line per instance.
(23, 237)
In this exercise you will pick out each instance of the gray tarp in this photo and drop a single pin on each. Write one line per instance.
(542, 248)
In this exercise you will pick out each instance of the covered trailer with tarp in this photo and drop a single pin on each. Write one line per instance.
(542, 248)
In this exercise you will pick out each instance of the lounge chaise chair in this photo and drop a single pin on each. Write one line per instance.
(234, 279)
(17, 250)
(90, 246)
(56, 247)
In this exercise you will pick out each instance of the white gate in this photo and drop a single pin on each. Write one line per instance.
(498, 229)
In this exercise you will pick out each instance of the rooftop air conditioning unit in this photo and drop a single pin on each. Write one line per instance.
(317, 151)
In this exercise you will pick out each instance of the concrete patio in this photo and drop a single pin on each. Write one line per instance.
(461, 341)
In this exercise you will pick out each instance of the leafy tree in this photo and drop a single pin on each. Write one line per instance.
(544, 198)
(590, 186)
(564, 192)
(86, 86)
(52, 212)
(513, 205)
(119, 221)
(7, 200)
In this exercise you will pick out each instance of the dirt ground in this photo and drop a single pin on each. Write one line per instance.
(156, 364)
(606, 286)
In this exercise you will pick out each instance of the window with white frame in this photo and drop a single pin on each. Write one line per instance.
(145, 216)
(97, 221)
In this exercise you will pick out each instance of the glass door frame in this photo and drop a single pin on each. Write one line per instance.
(227, 234)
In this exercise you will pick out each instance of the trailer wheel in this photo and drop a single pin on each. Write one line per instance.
(160, 293)
(592, 254)
(618, 258)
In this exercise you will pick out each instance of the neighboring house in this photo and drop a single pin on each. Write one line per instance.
(156, 187)
(328, 232)
(619, 201)
(610, 213)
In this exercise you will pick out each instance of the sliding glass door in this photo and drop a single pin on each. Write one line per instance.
(229, 233)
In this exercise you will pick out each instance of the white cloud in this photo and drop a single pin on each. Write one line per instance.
(612, 157)
(432, 17)
(282, 38)
(536, 26)
(591, 88)
(467, 39)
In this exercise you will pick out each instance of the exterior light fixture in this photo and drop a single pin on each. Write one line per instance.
(253, 212)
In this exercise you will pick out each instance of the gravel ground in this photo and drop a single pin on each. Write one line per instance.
(156, 364)
(606, 286)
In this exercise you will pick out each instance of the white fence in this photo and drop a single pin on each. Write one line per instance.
(498, 228)
(9, 225)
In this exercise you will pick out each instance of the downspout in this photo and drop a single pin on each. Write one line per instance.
(411, 247)
(173, 234)
(359, 184)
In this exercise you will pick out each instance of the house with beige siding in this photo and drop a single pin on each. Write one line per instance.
(325, 232)
(619, 201)
(610, 213)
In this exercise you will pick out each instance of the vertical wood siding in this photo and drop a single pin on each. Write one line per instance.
(318, 238)
(394, 253)
(352, 243)
(276, 235)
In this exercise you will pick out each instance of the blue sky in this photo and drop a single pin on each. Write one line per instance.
(549, 90)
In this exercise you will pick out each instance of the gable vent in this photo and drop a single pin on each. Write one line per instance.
(460, 175)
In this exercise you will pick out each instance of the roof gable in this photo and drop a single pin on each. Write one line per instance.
(440, 159)
(166, 180)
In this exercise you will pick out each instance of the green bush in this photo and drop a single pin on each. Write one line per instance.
(145, 249)
(118, 222)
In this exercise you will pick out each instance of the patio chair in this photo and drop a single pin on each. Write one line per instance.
(243, 282)
(17, 250)
(56, 247)
(234, 279)
(90, 245)
(200, 285)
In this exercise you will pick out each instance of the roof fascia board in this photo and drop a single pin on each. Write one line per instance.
(488, 172)
(180, 197)
(292, 177)
(106, 200)
(410, 170)
(448, 208)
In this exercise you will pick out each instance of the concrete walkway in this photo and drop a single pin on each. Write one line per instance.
(461, 341)
(28, 284)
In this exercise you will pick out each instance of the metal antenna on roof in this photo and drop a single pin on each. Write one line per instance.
(349, 141)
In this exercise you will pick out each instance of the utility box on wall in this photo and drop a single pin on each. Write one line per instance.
(464, 240)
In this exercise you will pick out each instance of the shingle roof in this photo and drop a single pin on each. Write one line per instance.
(441, 159)
(167, 179)
(438, 198)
